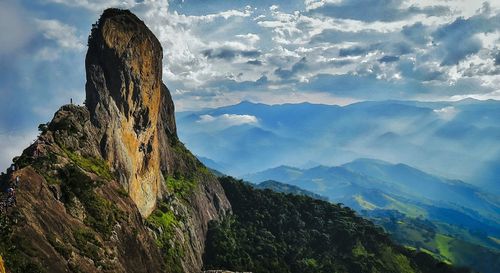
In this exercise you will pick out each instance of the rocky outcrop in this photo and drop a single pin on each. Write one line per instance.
(124, 96)
(108, 187)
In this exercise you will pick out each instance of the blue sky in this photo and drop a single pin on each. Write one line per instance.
(221, 52)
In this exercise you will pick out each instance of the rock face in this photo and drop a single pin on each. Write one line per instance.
(123, 93)
(108, 187)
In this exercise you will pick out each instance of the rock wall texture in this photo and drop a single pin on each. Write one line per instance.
(108, 187)
(123, 93)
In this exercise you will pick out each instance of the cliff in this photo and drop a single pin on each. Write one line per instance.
(108, 187)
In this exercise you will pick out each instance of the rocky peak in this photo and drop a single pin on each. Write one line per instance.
(108, 187)
(124, 95)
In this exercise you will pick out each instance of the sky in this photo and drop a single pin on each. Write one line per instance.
(221, 52)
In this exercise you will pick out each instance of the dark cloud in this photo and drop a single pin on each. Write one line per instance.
(340, 63)
(255, 62)
(375, 10)
(287, 74)
(457, 41)
(388, 59)
(353, 51)
(337, 36)
(401, 48)
(417, 33)
(497, 58)
(420, 73)
(358, 86)
(229, 53)
(230, 85)
(358, 50)
(369, 87)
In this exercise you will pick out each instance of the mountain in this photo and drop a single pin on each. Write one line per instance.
(272, 232)
(108, 187)
(288, 189)
(418, 209)
(367, 183)
(431, 136)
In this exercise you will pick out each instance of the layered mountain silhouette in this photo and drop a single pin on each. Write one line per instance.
(457, 140)
(419, 209)
(109, 187)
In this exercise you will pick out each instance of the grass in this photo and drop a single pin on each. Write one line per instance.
(363, 203)
(496, 240)
(165, 222)
(396, 262)
(90, 164)
(87, 243)
(102, 214)
(181, 187)
(443, 246)
(409, 210)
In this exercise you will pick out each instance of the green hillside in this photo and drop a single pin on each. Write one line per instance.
(450, 244)
(273, 232)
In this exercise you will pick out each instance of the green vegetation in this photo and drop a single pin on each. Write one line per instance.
(16, 252)
(272, 232)
(90, 164)
(164, 221)
(180, 187)
(442, 241)
(59, 246)
(101, 213)
(43, 165)
(87, 243)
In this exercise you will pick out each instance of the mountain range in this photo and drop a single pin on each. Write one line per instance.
(457, 140)
(409, 203)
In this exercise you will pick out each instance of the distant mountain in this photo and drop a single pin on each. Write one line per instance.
(430, 226)
(452, 139)
(373, 183)
(369, 185)
(288, 189)
(271, 232)
(219, 167)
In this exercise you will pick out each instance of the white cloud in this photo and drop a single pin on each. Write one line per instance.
(314, 4)
(16, 31)
(64, 35)
(447, 113)
(12, 144)
(252, 38)
(227, 120)
(96, 5)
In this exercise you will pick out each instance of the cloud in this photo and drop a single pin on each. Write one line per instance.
(356, 50)
(227, 120)
(421, 72)
(417, 33)
(12, 144)
(64, 35)
(15, 28)
(372, 10)
(388, 59)
(96, 5)
(458, 41)
(254, 62)
(252, 38)
(446, 113)
(229, 53)
(297, 67)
